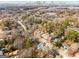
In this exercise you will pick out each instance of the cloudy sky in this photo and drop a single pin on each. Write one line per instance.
(38, 0)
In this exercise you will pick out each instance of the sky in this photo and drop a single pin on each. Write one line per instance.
(37, 0)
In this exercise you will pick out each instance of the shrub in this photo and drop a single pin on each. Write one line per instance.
(59, 27)
(24, 17)
(58, 43)
(59, 31)
(66, 23)
(28, 43)
(2, 43)
(49, 25)
(71, 35)
(9, 41)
